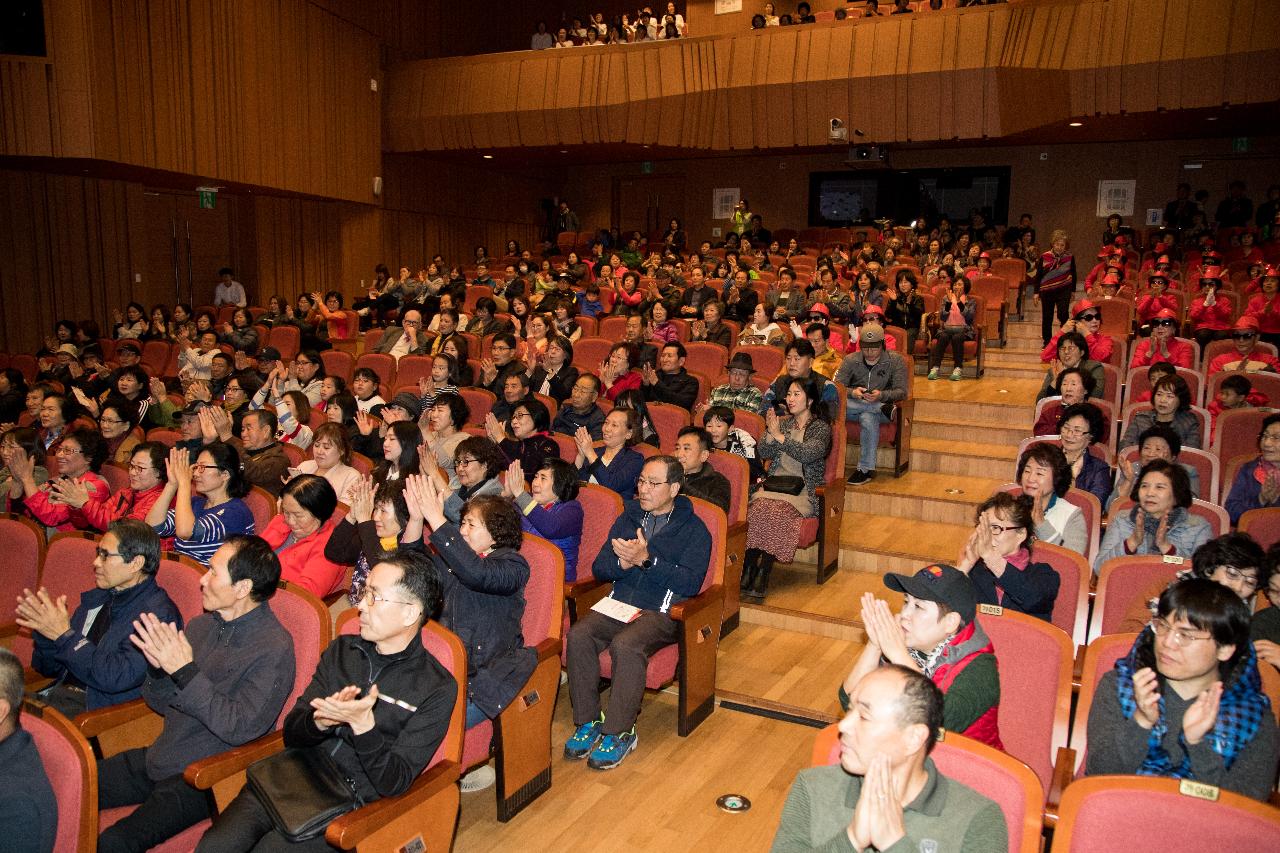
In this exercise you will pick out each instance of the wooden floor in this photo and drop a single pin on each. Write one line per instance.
(663, 798)
(788, 655)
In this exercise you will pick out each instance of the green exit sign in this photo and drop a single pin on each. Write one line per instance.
(208, 197)
(1240, 144)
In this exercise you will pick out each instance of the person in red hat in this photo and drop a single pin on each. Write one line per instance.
(1109, 287)
(1210, 311)
(1159, 260)
(1245, 356)
(875, 316)
(982, 268)
(1086, 318)
(1265, 307)
(1156, 299)
(1055, 284)
(1162, 345)
(1256, 271)
(1107, 261)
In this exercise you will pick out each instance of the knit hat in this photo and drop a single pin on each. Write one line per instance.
(939, 583)
(741, 361)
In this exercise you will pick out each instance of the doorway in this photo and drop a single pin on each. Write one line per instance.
(646, 203)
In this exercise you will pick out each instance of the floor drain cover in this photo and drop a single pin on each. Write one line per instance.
(954, 491)
(733, 803)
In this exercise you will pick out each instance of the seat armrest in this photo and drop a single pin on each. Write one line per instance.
(1064, 770)
(207, 772)
(1077, 670)
(548, 649)
(347, 831)
(696, 607)
(579, 588)
(94, 723)
(8, 629)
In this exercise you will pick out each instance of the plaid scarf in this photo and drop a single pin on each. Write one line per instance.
(929, 661)
(1239, 714)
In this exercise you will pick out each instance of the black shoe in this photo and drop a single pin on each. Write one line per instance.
(750, 567)
(760, 583)
(860, 477)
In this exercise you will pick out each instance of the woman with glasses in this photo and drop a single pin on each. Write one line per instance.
(1235, 560)
(116, 424)
(1080, 426)
(20, 449)
(1257, 483)
(300, 531)
(80, 453)
(795, 448)
(306, 374)
(1186, 701)
(477, 470)
(1045, 478)
(997, 558)
(1162, 345)
(1170, 406)
(1072, 351)
(205, 499)
(524, 437)
(1160, 522)
(146, 482)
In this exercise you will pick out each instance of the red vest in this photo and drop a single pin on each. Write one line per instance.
(986, 728)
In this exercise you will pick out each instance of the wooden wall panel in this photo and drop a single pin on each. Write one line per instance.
(959, 74)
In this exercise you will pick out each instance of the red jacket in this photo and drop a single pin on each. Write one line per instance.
(1150, 305)
(1100, 347)
(125, 503)
(986, 728)
(304, 562)
(1267, 311)
(62, 516)
(628, 381)
(1228, 361)
(1216, 317)
(1180, 354)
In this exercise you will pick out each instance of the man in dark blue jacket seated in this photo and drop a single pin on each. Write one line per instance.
(28, 811)
(220, 684)
(658, 555)
(89, 652)
(380, 747)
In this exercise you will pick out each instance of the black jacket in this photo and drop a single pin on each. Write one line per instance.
(483, 605)
(710, 485)
(1032, 590)
(678, 389)
(28, 811)
(560, 385)
(416, 695)
(680, 552)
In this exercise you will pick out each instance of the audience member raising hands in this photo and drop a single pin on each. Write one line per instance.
(997, 558)
(201, 523)
(550, 507)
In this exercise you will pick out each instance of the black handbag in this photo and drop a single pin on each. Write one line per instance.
(302, 791)
(783, 484)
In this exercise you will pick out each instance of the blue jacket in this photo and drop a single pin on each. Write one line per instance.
(680, 551)
(619, 475)
(28, 810)
(112, 670)
(560, 524)
(1095, 476)
(484, 606)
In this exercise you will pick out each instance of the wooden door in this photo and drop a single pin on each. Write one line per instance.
(646, 203)
(185, 248)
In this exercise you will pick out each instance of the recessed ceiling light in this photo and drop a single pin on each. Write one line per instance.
(1075, 124)
(1211, 118)
(564, 151)
(487, 156)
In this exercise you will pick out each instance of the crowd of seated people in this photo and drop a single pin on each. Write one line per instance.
(367, 477)
(642, 25)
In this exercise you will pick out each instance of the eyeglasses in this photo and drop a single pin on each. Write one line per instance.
(200, 467)
(141, 469)
(1089, 318)
(110, 421)
(1179, 636)
(1273, 593)
(1242, 336)
(63, 450)
(521, 415)
(412, 323)
(649, 484)
(1248, 581)
(466, 461)
(998, 529)
(1066, 430)
(103, 554)
(1165, 322)
(375, 598)
(1270, 436)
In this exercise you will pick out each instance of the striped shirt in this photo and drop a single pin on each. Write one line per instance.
(211, 529)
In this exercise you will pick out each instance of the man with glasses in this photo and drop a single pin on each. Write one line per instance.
(1185, 702)
(380, 747)
(88, 652)
(1245, 356)
(219, 684)
(500, 364)
(657, 555)
(409, 338)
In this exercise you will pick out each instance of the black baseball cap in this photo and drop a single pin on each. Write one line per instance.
(939, 583)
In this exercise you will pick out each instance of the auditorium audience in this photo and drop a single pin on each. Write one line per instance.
(1160, 522)
(997, 558)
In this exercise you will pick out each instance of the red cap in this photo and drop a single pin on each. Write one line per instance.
(1210, 258)
(1121, 240)
(1163, 261)
(1104, 253)
(1117, 257)
(1111, 278)
(820, 308)
(1165, 314)
(1157, 274)
(1272, 271)
(1246, 323)
(1211, 274)
(1082, 306)
(873, 309)
(986, 255)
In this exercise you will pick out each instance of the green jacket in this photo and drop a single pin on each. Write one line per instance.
(946, 817)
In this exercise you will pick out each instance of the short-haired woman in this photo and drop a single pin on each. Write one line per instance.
(997, 558)
(81, 453)
(1257, 483)
(1171, 406)
(301, 530)
(1160, 523)
(550, 507)
(1080, 426)
(478, 464)
(1045, 477)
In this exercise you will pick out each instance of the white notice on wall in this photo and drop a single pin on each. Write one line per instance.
(724, 7)
(723, 200)
(1116, 197)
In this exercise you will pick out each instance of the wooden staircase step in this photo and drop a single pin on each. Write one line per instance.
(951, 428)
(966, 459)
(923, 496)
(878, 543)
(785, 667)
(1016, 404)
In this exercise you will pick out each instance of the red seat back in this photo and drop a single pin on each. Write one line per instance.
(706, 358)
(287, 339)
(179, 576)
(307, 620)
(737, 471)
(544, 593)
(1035, 663)
(1100, 657)
(589, 353)
(338, 363)
(1121, 581)
(69, 763)
(600, 508)
(411, 368)
(263, 506)
(1071, 608)
(1262, 524)
(667, 420)
(22, 541)
(479, 402)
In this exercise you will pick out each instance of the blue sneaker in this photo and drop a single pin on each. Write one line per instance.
(612, 749)
(584, 740)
